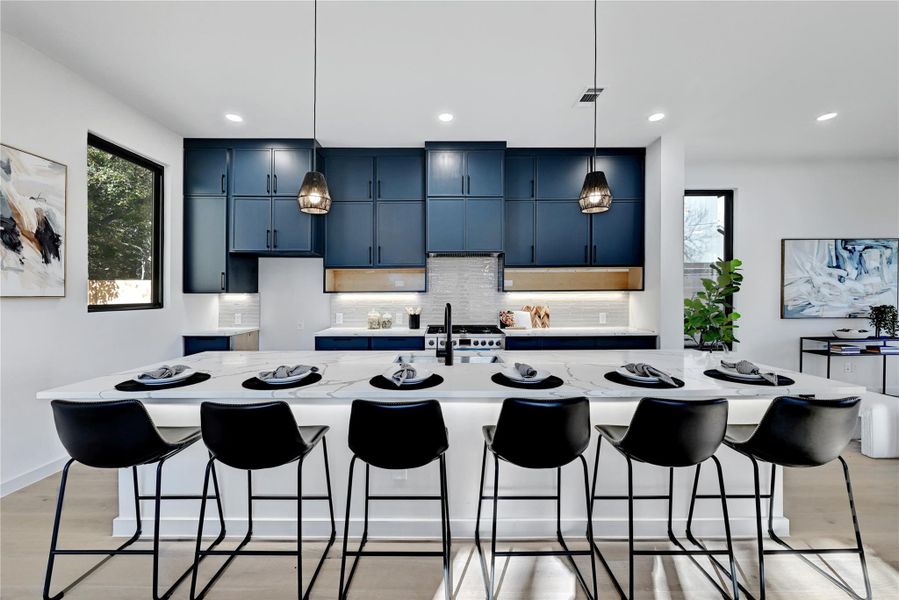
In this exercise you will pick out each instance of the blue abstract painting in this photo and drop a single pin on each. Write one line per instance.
(838, 278)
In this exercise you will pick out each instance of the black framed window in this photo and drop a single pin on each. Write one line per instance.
(124, 228)
(708, 234)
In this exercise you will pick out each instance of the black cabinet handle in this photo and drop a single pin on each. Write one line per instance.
(268, 235)
(223, 183)
(369, 255)
(379, 188)
(463, 184)
(276, 184)
(532, 253)
(586, 254)
(275, 235)
(268, 184)
(369, 188)
(469, 184)
(594, 252)
(532, 188)
(223, 281)
(379, 254)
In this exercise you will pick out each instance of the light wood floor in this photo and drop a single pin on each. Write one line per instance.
(815, 502)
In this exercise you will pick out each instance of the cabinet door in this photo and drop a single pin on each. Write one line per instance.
(561, 176)
(350, 176)
(562, 234)
(519, 178)
(624, 174)
(519, 234)
(401, 177)
(349, 235)
(484, 224)
(291, 229)
(484, 172)
(251, 225)
(204, 244)
(252, 172)
(401, 234)
(446, 225)
(290, 165)
(445, 177)
(618, 235)
(205, 172)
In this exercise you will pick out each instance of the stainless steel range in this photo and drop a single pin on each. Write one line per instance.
(465, 337)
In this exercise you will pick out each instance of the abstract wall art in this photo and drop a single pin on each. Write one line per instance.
(838, 278)
(32, 225)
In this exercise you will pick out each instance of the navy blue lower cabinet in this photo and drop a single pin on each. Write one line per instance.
(563, 232)
(291, 229)
(196, 344)
(616, 342)
(519, 233)
(251, 223)
(348, 241)
(618, 235)
(446, 225)
(401, 234)
(342, 343)
(397, 343)
(484, 224)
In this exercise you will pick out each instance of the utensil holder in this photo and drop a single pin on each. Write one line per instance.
(414, 321)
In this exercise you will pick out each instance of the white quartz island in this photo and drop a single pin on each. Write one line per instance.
(469, 399)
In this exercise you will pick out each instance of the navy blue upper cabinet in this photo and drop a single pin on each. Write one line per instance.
(350, 175)
(401, 177)
(400, 234)
(520, 183)
(624, 173)
(252, 171)
(563, 234)
(484, 224)
(484, 172)
(251, 224)
(289, 166)
(349, 235)
(291, 229)
(205, 172)
(446, 225)
(446, 176)
(561, 176)
(519, 232)
(618, 235)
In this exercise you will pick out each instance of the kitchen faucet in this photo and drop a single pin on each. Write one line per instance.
(447, 351)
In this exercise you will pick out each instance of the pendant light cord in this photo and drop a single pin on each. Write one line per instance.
(315, 76)
(596, 96)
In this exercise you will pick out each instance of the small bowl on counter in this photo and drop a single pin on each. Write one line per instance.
(851, 334)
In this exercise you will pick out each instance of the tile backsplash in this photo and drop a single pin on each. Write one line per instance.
(245, 305)
(470, 285)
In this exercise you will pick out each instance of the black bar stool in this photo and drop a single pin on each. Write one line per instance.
(668, 433)
(397, 435)
(537, 434)
(800, 433)
(260, 436)
(120, 435)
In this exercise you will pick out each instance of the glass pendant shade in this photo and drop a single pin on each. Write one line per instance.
(314, 197)
(596, 196)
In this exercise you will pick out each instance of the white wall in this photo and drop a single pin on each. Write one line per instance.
(290, 294)
(816, 199)
(49, 110)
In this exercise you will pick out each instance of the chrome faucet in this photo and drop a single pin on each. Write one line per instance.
(447, 351)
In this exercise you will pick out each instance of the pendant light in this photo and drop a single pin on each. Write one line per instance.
(314, 197)
(596, 196)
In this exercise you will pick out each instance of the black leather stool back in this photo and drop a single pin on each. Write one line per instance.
(251, 436)
(804, 432)
(397, 435)
(111, 435)
(675, 433)
(542, 434)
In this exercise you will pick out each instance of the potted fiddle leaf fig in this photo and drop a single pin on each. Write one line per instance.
(884, 319)
(709, 316)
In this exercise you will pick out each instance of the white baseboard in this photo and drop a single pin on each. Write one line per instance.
(25, 479)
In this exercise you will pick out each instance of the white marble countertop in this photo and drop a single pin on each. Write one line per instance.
(219, 331)
(577, 331)
(366, 332)
(345, 377)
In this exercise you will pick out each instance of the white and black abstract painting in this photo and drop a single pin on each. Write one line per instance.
(32, 224)
(838, 278)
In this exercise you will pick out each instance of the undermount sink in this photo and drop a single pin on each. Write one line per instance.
(485, 359)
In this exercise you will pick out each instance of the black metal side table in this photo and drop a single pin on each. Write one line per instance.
(829, 341)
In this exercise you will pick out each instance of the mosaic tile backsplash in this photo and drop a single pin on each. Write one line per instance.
(470, 285)
(246, 305)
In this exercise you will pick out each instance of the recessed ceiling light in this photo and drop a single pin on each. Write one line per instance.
(445, 117)
(656, 117)
(233, 117)
(827, 116)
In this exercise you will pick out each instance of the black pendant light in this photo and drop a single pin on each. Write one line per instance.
(314, 197)
(596, 196)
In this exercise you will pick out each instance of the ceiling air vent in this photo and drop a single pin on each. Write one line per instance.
(590, 95)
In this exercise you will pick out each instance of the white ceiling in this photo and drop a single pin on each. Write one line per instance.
(736, 79)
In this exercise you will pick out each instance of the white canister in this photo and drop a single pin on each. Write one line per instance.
(522, 319)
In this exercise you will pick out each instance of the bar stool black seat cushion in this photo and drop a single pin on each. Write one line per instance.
(540, 434)
(670, 432)
(799, 432)
(256, 436)
(116, 434)
(397, 435)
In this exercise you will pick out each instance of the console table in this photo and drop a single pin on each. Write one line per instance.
(829, 341)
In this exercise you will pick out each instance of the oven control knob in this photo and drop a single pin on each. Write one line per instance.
(430, 342)
(490, 343)
(443, 342)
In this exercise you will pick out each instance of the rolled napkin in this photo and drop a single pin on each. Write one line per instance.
(403, 372)
(744, 367)
(646, 370)
(285, 371)
(526, 370)
(163, 372)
